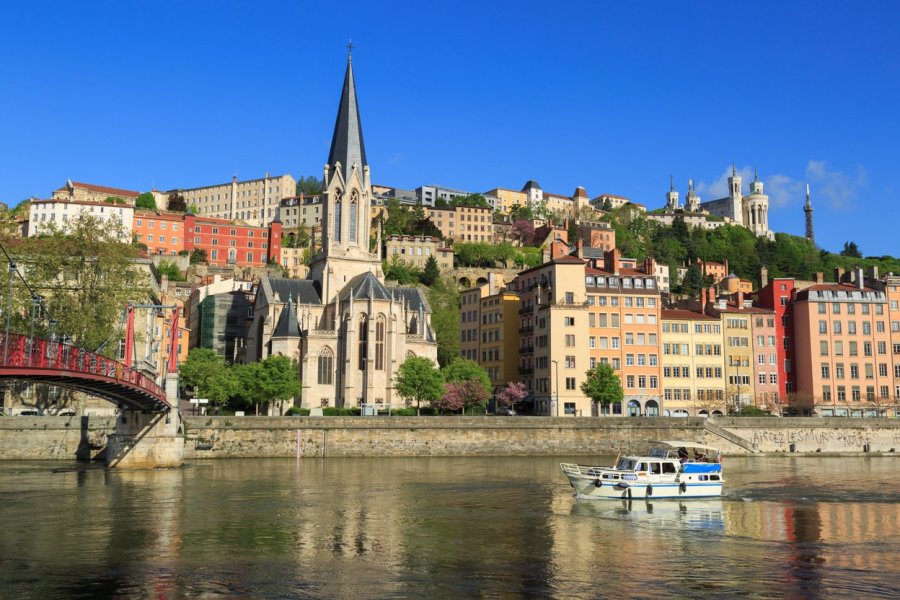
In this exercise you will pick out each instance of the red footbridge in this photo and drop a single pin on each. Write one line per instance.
(54, 363)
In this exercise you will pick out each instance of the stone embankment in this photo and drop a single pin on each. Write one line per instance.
(61, 438)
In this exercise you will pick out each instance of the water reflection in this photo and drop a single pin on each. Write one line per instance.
(442, 528)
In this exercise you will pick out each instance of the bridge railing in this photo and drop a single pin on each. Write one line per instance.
(26, 353)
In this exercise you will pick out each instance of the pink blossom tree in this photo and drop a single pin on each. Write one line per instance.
(453, 398)
(523, 232)
(512, 394)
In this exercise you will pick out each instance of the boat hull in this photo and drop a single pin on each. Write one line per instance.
(587, 487)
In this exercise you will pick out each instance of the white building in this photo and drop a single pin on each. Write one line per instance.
(58, 212)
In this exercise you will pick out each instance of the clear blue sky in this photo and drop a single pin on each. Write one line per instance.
(613, 96)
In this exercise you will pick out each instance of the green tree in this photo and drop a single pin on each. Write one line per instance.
(206, 372)
(115, 200)
(851, 250)
(89, 274)
(269, 380)
(443, 297)
(432, 271)
(418, 381)
(474, 200)
(145, 201)
(477, 388)
(603, 386)
(692, 282)
(198, 256)
(309, 186)
(170, 270)
(401, 272)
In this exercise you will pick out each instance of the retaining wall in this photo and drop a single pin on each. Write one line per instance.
(61, 438)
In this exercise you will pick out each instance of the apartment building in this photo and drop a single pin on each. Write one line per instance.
(693, 364)
(295, 211)
(751, 368)
(470, 322)
(843, 348)
(415, 250)
(507, 199)
(575, 314)
(56, 213)
(255, 201)
(162, 232)
(225, 242)
(463, 223)
(776, 295)
(500, 337)
(429, 194)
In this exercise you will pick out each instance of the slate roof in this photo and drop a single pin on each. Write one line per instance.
(302, 291)
(363, 286)
(347, 143)
(287, 323)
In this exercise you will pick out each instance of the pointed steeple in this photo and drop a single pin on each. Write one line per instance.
(287, 323)
(347, 142)
(808, 209)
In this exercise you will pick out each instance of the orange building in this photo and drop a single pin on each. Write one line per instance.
(842, 343)
(162, 232)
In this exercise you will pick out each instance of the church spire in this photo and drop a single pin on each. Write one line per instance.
(347, 142)
(808, 209)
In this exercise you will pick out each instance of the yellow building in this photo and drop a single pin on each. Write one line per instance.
(507, 199)
(76, 191)
(693, 365)
(500, 337)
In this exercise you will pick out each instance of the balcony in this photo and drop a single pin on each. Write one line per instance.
(526, 370)
(526, 329)
(526, 350)
(526, 310)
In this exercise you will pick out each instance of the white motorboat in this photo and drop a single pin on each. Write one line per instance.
(670, 469)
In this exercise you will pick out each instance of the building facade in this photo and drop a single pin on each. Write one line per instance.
(693, 364)
(254, 201)
(56, 213)
(415, 250)
(76, 191)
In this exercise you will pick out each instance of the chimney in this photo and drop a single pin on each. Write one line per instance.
(580, 246)
(820, 276)
(740, 299)
(611, 261)
(712, 294)
(703, 302)
(873, 272)
(860, 282)
(727, 272)
(763, 277)
(234, 179)
(839, 274)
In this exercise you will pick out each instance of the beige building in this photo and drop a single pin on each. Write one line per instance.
(489, 323)
(75, 191)
(415, 250)
(294, 262)
(463, 223)
(693, 364)
(254, 201)
(295, 211)
(508, 199)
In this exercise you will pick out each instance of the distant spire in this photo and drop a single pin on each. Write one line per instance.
(349, 50)
(733, 169)
(671, 183)
(808, 209)
(755, 177)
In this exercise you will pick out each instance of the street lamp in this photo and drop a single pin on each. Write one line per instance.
(36, 301)
(554, 402)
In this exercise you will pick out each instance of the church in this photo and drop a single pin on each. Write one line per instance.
(347, 330)
(750, 211)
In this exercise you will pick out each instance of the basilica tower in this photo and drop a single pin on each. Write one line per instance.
(347, 200)
(808, 209)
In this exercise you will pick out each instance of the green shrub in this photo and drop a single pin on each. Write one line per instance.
(333, 411)
(296, 410)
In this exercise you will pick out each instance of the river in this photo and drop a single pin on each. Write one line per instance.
(443, 528)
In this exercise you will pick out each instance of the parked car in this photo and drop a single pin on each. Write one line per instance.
(506, 411)
(66, 413)
(30, 412)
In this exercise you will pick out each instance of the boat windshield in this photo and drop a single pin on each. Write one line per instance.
(625, 464)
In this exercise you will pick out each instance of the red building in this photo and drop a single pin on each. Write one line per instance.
(225, 242)
(776, 295)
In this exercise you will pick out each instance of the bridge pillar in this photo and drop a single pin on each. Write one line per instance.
(148, 440)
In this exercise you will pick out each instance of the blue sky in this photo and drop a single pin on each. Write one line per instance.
(615, 97)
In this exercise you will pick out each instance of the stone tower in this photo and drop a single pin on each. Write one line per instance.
(808, 209)
(692, 200)
(755, 208)
(346, 207)
(672, 196)
(735, 194)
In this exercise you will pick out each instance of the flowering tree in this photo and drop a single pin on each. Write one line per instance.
(462, 394)
(523, 232)
(453, 398)
(512, 394)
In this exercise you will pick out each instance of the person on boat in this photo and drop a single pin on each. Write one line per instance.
(699, 456)
(682, 454)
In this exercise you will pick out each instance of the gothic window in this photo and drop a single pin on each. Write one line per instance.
(326, 367)
(379, 343)
(337, 221)
(363, 341)
(353, 215)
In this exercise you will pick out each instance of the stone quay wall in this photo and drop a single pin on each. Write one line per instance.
(62, 438)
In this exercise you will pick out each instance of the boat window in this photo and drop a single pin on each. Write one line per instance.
(669, 468)
(641, 467)
(703, 478)
(714, 477)
(625, 465)
(655, 468)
